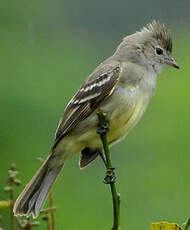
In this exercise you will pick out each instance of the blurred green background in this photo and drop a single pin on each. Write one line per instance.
(47, 49)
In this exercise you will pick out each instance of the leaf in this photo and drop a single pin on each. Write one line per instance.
(165, 226)
(5, 204)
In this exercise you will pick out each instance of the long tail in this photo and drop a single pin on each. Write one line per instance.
(34, 195)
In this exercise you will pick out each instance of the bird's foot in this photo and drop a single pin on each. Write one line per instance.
(103, 129)
(110, 176)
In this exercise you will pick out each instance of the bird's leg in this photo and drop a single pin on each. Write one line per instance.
(110, 177)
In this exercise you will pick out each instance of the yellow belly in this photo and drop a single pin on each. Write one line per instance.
(122, 123)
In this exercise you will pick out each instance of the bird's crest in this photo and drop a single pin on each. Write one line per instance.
(161, 33)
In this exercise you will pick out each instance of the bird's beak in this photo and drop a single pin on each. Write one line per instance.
(173, 63)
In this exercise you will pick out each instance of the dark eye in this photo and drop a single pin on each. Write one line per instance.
(159, 51)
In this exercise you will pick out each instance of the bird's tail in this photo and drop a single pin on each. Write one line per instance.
(34, 195)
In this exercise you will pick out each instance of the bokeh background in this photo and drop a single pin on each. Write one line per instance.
(47, 49)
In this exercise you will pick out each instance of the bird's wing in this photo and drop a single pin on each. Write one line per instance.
(100, 84)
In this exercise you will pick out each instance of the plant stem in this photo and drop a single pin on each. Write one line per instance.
(110, 170)
(52, 211)
(12, 224)
(187, 224)
(48, 221)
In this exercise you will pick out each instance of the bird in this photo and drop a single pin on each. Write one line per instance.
(121, 87)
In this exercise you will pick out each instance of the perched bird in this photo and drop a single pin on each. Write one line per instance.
(122, 87)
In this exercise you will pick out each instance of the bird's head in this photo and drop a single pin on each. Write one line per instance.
(150, 47)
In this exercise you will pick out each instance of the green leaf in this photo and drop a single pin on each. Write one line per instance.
(165, 226)
(5, 204)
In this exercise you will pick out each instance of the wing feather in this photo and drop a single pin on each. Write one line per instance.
(91, 93)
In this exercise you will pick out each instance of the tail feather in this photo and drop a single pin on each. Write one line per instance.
(34, 195)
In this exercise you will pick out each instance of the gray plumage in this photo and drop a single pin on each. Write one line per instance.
(35, 193)
(161, 34)
(122, 87)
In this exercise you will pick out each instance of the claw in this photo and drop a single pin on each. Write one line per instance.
(103, 129)
(110, 177)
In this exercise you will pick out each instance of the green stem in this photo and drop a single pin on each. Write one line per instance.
(48, 221)
(187, 224)
(52, 211)
(12, 223)
(115, 196)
